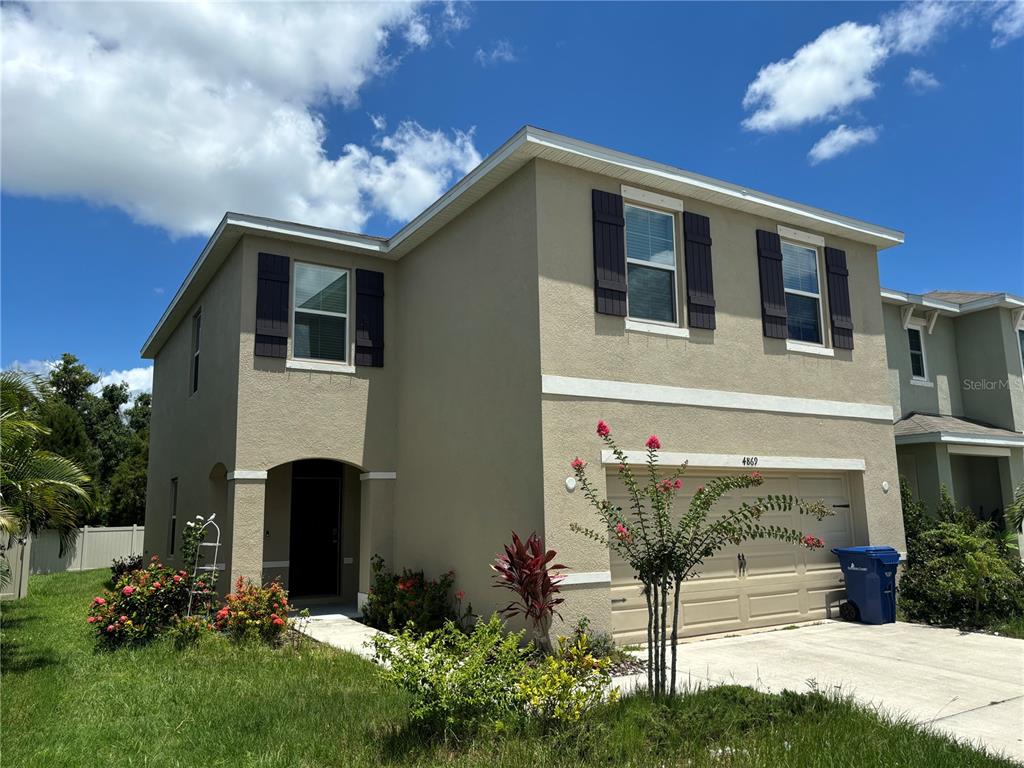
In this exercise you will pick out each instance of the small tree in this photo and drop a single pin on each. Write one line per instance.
(664, 552)
(525, 569)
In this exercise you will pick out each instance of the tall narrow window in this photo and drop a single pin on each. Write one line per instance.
(173, 528)
(917, 363)
(197, 335)
(803, 292)
(650, 264)
(320, 318)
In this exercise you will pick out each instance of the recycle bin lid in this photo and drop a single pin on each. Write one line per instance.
(868, 550)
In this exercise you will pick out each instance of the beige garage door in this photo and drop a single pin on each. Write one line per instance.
(781, 584)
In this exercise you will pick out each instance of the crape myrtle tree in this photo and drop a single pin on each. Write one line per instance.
(664, 550)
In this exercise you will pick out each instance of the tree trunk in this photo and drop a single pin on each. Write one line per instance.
(662, 638)
(650, 639)
(675, 632)
(654, 637)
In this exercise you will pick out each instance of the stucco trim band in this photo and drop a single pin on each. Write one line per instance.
(248, 474)
(587, 577)
(379, 476)
(599, 389)
(276, 563)
(724, 460)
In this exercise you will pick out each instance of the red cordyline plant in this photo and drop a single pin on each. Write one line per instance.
(665, 549)
(526, 570)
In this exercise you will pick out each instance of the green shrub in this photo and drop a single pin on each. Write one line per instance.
(123, 565)
(145, 603)
(458, 682)
(955, 577)
(187, 631)
(253, 612)
(564, 687)
(394, 601)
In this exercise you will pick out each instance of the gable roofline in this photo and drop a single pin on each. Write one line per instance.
(925, 301)
(527, 144)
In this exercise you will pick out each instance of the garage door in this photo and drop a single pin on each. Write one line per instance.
(781, 583)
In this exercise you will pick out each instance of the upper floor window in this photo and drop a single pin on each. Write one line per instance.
(918, 368)
(197, 336)
(803, 292)
(650, 264)
(320, 317)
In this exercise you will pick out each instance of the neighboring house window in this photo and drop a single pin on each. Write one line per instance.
(174, 515)
(320, 319)
(650, 264)
(197, 334)
(918, 369)
(803, 292)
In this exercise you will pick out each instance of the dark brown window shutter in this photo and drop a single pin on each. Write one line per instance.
(609, 254)
(369, 318)
(272, 306)
(700, 286)
(773, 294)
(839, 298)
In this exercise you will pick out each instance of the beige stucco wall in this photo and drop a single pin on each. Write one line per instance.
(468, 400)
(944, 397)
(735, 357)
(191, 434)
(990, 365)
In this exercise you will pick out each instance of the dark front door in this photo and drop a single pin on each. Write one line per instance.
(315, 528)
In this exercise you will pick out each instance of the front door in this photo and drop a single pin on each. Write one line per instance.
(315, 528)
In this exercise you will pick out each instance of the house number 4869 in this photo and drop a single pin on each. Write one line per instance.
(750, 461)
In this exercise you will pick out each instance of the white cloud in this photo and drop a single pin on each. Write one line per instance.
(1008, 23)
(455, 17)
(380, 123)
(501, 53)
(840, 140)
(915, 25)
(177, 112)
(138, 379)
(921, 80)
(38, 367)
(821, 79)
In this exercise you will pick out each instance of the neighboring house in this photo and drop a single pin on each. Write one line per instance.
(333, 396)
(955, 366)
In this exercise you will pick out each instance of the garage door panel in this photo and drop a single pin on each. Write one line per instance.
(782, 584)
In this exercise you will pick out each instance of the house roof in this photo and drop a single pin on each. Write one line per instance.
(953, 302)
(527, 144)
(929, 428)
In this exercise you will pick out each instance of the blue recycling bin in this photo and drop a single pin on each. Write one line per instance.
(870, 574)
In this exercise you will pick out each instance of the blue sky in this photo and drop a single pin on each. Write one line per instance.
(125, 136)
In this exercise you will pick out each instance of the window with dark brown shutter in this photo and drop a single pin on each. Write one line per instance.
(773, 292)
(369, 318)
(609, 254)
(700, 287)
(839, 298)
(272, 306)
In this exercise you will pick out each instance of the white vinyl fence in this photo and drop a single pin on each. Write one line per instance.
(95, 548)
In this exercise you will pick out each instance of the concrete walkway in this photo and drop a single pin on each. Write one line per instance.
(965, 684)
(337, 627)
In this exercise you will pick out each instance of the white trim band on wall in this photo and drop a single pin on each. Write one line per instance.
(248, 474)
(599, 389)
(378, 476)
(725, 460)
(587, 577)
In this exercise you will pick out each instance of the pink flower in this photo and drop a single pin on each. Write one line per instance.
(578, 464)
(812, 542)
(278, 621)
(123, 619)
(127, 591)
(154, 558)
(653, 443)
(756, 477)
(99, 601)
(176, 579)
(677, 483)
(93, 619)
(603, 430)
(110, 628)
(156, 585)
(622, 467)
(623, 533)
(460, 595)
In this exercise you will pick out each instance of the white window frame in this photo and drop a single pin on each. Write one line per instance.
(674, 269)
(919, 325)
(799, 345)
(312, 363)
(197, 343)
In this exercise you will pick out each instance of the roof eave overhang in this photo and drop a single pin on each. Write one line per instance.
(960, 438)
(902, 298)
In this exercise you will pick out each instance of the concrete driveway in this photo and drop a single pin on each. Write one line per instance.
(968, 685)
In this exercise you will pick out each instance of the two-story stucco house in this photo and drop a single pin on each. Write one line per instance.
(957, 375)
(333, 396)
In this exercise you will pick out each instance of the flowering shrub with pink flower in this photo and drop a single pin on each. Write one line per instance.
(395, 600)
(252, 611)
(145, 603)
(665, 549)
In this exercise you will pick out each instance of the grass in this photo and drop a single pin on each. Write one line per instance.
(67, 704)
(1012, 627)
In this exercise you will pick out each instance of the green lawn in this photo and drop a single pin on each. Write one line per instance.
(66, 704)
